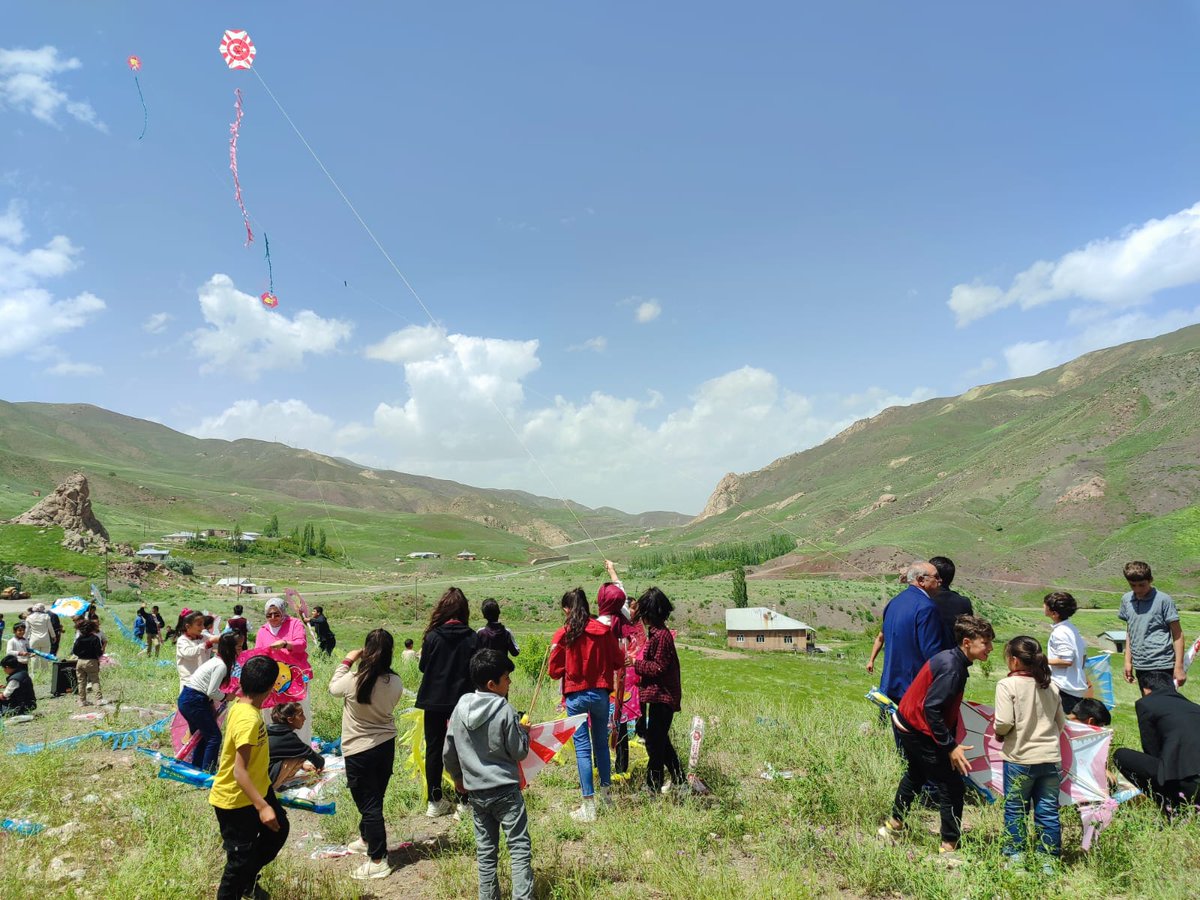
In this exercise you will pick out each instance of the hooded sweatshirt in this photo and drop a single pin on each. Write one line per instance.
(587, 662)
(446, 665)
(484, 743)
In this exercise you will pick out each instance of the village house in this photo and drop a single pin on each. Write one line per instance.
(466, 554)
(157, 554)
(424, 554)
(759, 628)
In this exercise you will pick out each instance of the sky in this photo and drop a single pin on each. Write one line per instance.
(606, 253)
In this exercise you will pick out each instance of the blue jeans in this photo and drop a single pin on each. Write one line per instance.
(594, 702)
(1035, 785)
(197, 710)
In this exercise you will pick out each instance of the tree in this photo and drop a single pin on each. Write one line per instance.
(740, 598)
(308, 543)
(272, 529)
(321, 543)
(236, 537)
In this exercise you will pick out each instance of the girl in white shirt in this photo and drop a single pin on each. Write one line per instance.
(17, 645)
(1066, 651)
(208, 683)
(192, 649)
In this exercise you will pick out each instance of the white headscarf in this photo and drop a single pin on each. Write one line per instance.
(39, 607)
(280, 605)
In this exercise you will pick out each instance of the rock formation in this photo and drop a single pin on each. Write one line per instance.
(70, 507)
(723, 497)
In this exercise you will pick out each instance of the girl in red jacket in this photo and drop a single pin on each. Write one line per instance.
(584, 653)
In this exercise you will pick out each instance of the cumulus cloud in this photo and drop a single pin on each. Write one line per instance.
(465, 416)
(1114, 272)
(597, 344)
(1031, 357)
(647, 311)
(28, 84)
(243, 336)
(67, 368)
(156, 323)
(30, 315)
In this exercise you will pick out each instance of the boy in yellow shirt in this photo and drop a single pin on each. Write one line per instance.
(253, 825)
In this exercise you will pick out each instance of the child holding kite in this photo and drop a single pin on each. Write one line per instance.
(208, 683)
(484, 744)
(1030, 719)
(925, 725)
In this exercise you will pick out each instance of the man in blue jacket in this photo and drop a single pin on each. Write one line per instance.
(912, 630)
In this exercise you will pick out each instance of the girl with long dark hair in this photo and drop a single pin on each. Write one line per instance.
(208, 683)
(445, 664)
(1030, 719)
(585, 654)
(369, 741)
(659, 688)
(192, 648)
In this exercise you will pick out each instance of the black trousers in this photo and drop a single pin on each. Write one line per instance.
(928, 764)
(436, 721)
(1142, 769)
(249, 846)
(367, 776)
(658, 746)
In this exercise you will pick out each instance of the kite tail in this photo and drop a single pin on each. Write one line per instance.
(234, 130)
(145, 112)
(271, 288)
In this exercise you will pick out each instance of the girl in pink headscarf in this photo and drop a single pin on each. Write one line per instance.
(611, 602)
(286, 638)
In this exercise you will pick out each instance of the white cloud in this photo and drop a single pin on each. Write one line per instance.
(597, 344)
(66, 367)
(647, 311)
(27, 84)
(1114, 272)
(246, 338)
(156, 323)
(1031, 357)
(287, 421)
(30, 316)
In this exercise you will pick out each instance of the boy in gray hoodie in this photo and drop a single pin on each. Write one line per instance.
(484, 742)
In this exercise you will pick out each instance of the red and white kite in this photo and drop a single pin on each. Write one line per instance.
(238, 49)
(545, 740)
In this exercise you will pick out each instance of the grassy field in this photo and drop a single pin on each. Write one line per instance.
(810, 836)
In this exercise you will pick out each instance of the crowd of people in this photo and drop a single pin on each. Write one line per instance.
(930, 640)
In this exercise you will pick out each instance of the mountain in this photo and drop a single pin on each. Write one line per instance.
(1065, 474)
(147, 480)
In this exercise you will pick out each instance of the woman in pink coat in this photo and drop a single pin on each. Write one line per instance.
(287, 639)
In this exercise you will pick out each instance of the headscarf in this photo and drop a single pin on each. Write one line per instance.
(610, 600)
(280, 605)
(39, 607)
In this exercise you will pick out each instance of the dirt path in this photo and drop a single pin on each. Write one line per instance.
(712, 651)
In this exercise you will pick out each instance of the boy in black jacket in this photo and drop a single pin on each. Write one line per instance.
(288, 751)
(87, 650)
(17, 697)
(493, 635)
(1168, 768)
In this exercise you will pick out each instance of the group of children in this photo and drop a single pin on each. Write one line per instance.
(1032, 704)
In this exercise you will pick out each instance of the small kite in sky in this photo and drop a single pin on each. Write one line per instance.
(135, 66)
(269, 300)
(238, 49)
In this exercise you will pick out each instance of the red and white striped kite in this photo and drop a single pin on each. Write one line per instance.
(545, 740)
(238, 49)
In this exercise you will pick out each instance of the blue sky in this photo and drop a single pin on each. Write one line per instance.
(659, 242)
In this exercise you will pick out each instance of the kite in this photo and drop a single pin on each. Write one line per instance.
(545, 740)
(23, 827)
(70, 607)
(694, 756)
(270, 301)
(1190, 656)
(291, 685)
(293, 594)
(174, 770)
(120, 740)
(1100, 679)
(235, 128)
(238, 49)
(135, 66)
(183, 740)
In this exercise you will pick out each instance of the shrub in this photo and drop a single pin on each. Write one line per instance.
(181, 566)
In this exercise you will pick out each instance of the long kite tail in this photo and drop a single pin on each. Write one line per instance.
(235, 128)
(145, 112)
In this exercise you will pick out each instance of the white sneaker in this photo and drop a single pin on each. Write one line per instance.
(586, 811)
(440, 808)
(358, 845)
(666, 788)
(462, 812)
(605, 796)
(371, 869)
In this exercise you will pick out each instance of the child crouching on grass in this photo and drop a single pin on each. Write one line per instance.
(484, 743)
(1030, 718)
(253, 825)
(925, 725)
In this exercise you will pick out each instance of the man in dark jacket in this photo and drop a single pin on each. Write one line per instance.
(912, 630)
(325, 639)
(950, 603)
(1168, 768)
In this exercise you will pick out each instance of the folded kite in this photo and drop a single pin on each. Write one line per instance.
(545, 740)
(1100, 679)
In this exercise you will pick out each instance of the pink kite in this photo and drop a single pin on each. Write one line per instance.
(291, 685)
(238, 49)
(545, 740)
(235, 129)
(269, 300)
(182, 739)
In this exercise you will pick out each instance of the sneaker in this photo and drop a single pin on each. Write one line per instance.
(371, 869)
(586, 811)
(462, 812)
(358, 845)
(440, 808)
(890, 832)
(666, 788)
(606, 796)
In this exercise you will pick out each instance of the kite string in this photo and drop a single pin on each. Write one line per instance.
(270, 270)
(234, 131)
(433, 320)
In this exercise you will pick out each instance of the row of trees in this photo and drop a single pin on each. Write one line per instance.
(306, 540)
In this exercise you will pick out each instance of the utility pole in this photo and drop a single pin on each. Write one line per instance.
(106, 570)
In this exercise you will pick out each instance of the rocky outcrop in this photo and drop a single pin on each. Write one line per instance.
(724, 497)
(70, 508)
(1092, 489)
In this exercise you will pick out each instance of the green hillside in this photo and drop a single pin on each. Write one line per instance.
(148, 480)
(1063, 475)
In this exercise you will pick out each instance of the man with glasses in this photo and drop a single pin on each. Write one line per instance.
(912, 630)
